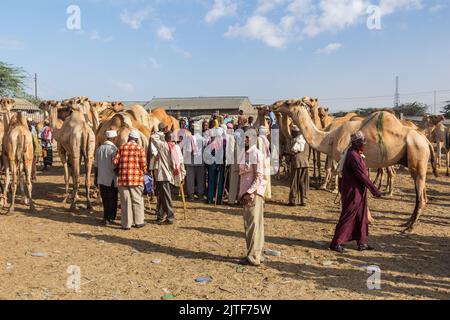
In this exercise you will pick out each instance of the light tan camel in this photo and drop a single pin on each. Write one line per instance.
(126, 121)
(76, 143)
(438, 136)
(18, 157)
(388, 143)
(313, 106)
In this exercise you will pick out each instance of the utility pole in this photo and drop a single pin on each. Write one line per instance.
(397, 92)
(35, 86)
(435, 102)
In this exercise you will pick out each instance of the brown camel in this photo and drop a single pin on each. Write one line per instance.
(76, 142)
(388, 143)
(438, 136)
(18, 157)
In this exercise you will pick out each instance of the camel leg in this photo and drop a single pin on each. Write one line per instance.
(391, 179)
(63, 157)
(75, 181)
(88, 181)
(420, 179)
(379, 178)
(448, 162)
(314, 164)
(28, 169)
(7, 183)
(328, 173)
(14, 187)
(319, 166)
(439, 154)
(336, 177)
(370, 217)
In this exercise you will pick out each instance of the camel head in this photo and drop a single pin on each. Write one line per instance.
(117, 106)
(287, 106)
(7, 104)
(437, 119)
(311, 102)
(79, 104)
(324, 112)
(48, 105)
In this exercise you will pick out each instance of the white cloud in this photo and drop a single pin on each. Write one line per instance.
(330, 48)
(181, 52)
(10, 44)
(221, 9)
(437, 7)
(260, 28)
(309, 18)
(165, 33)
(135, 19)
(265, 6)
(96, 36)
(124, 86)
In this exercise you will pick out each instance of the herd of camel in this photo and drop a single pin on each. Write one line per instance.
(79, 126)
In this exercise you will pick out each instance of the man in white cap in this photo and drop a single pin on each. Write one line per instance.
(106, 178)
(131, 162)
(300, 169)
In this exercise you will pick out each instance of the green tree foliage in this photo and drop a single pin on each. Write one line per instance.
(12, 80)
(446, 109)
(415, 109)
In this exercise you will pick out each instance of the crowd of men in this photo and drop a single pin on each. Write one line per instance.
(216, 160)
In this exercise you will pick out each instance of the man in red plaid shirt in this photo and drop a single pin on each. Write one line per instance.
(132, 165)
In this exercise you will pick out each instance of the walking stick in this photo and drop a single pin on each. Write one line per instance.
(184, 199)
(217, 185)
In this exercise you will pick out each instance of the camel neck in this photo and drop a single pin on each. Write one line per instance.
(313, 136)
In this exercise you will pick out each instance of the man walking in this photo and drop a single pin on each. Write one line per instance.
(164, 176)
(131, 163)
(195, 168)
(106, 178)
(252, 190)
(47, 145)
(300, 169)
(353, 224)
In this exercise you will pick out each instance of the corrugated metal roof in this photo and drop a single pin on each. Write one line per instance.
(199, 103)
(25, 105)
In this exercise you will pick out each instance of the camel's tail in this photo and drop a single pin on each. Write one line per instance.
(433, 160)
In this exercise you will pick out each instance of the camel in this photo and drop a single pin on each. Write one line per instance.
(126, 121)
(325, 118)
(313, 105)
(18, 157)
(161, 116)
(76, 142)
(438, 136)
(388, 143)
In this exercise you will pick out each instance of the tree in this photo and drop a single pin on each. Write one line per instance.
(415, 109)
(12, 80)
(446, 109)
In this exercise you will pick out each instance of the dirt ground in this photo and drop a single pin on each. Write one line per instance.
(116, 264)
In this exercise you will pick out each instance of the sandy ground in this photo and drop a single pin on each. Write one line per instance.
(116, 264)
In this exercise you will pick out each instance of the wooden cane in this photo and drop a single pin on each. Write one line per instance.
(184, 199)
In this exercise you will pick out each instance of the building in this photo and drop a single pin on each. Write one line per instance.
(203, 106)
(33, 111)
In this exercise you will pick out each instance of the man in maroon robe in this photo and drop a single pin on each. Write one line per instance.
(354, 223)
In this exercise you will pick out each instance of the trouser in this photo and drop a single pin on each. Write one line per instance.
(110, 198)
(195, 181)
(164, 209)
(299, 186)
(234, 184)
(132, 205)
(214, 178)
(254, 230)
(48, 156)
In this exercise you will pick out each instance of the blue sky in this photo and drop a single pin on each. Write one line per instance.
(268, 50)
